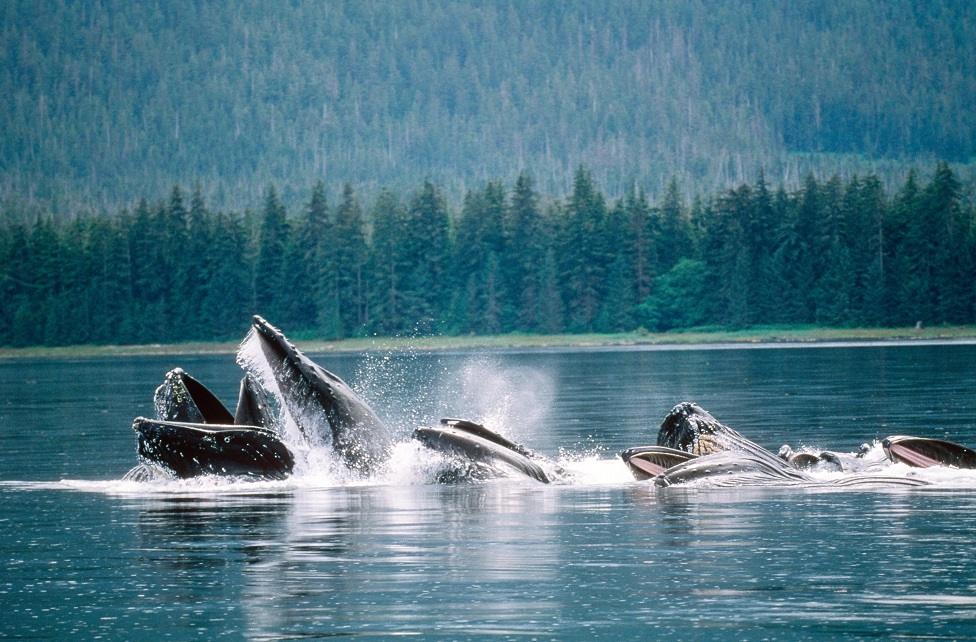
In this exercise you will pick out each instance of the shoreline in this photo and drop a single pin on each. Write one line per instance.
(757, 336)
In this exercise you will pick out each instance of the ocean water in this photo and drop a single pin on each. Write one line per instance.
(86, 555)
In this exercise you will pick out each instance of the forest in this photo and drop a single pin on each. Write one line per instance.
(102, 101)
(836, 252)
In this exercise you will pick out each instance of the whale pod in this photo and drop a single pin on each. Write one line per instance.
(470, 441)
(194, 449)
(922, 452)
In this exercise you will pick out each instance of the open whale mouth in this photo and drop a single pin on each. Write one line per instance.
(922, 452)
(647, 462)
(693, 446)
(191, 449)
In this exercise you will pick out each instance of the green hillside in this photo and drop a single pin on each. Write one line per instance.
(103, 102)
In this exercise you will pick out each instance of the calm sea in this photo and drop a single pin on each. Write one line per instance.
(85, 555)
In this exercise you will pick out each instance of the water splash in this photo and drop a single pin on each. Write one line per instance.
(384, 377)
(514, 402)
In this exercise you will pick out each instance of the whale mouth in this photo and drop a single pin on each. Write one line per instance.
(922, 452)
(646, 462)
(192, 450)
(693, 446)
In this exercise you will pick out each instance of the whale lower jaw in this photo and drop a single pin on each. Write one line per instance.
(191, 450)
(474, 444)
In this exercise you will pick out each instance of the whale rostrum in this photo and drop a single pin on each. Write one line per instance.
(316, 401)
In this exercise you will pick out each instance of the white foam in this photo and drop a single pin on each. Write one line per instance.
(592, 470)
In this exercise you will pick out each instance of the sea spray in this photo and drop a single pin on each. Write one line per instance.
(400, 386)
(512, 401)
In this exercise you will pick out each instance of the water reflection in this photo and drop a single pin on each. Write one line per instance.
(317, 562)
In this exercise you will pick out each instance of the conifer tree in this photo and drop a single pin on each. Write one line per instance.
(226, 309)
(522, 257)
(675, 236)
(424, 240)
(908, 277)
(350, 264)
(386, 266)
(312, 264)
(585, 252)
(644, 238)
(270, 273)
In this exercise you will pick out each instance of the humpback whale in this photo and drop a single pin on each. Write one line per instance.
(477, 445)
(286, 390)
(717, 449)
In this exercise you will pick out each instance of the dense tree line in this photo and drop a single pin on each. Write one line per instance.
(834, 252)
(103, 100)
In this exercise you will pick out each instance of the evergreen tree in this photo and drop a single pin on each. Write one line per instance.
(908, 277)
(835, 278)
(350, 254)
(551, 311)
(478, 243)
(620, 294)
(952, 267)
(424, 246)
(271, 282)
(312, 265)
(584, 252)
(675, 237)
(523, 255)
(387, 267)
(644, 237)
(225, 308)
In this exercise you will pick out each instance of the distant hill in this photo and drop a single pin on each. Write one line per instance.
(103, 102)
